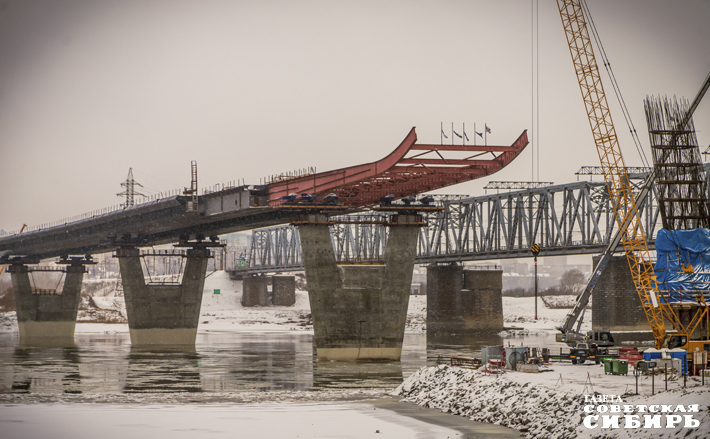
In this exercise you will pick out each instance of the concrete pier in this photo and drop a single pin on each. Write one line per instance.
(46, 315)
(359, 312)
(255, 291)
(283, 290)
(615, 303)
(463, 301)
(163, 314)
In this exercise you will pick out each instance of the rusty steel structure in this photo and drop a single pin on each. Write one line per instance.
(411, 168)
(681, 180)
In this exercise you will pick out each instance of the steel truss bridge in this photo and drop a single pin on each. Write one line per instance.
(574, 218)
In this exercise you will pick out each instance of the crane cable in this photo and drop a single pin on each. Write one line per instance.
(615, 86)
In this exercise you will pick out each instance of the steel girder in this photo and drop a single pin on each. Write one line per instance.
(574, 218)
(275, 249)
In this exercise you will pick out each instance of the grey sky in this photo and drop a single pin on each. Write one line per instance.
(91, 88)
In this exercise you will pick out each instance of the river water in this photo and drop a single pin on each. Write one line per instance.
(226, 364)
(231, 384)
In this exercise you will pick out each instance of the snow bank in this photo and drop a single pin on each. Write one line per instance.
(541, 405)
(562, 301)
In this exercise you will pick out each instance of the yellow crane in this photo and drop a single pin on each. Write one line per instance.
(612, 162)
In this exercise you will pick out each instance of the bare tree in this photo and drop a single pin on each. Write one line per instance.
(572, 281)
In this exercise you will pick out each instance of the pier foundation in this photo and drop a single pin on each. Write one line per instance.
(283, 290)
(255, 291)
(615, 303)
(463, 301)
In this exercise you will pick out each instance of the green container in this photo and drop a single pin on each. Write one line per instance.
(216, 291)
(607, 365)
(620, 367)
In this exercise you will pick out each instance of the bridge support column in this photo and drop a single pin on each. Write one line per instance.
(46, 315)
(255, 291)
(463, 301)
(616, 305)
(359, 312)
(163, 314)
(283, 291)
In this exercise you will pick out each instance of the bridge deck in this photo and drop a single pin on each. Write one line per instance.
(404, 172)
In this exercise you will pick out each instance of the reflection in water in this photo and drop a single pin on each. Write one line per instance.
(236, 363)
(256, 362)
(467, 345)
(163, 369)
(41, 369)
(351, 375)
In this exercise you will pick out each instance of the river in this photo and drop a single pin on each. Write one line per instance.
(231, 384)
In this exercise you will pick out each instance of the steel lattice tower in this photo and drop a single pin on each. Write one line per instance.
(130, 190)
(681, 182)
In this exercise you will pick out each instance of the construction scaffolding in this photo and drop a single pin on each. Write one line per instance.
(681, 179)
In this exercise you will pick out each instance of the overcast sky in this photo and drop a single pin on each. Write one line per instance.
(89, 89)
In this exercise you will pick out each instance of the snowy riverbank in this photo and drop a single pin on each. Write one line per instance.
(551, 404)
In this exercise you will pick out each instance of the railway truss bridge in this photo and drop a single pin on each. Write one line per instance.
(566, 219)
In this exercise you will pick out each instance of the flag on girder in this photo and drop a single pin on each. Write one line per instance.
(488, 130)
(458, 135)
(444, 134)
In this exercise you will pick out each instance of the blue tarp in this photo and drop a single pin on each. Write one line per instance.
(676, 248)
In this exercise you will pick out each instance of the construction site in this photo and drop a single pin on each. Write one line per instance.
(374, 284)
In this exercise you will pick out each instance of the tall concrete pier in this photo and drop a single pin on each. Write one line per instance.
(46, 314)
(615, 303)
(359, 312)
(463, 301)
(163, 313)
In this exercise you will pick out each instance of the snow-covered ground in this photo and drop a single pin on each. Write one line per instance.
(219, 312)
(551, 404)
(519, 316)
(224, 312)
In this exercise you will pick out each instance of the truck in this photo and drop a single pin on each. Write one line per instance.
(583, 352)
(599, 338)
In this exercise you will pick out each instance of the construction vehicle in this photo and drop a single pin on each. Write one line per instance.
(655, 307)
(582, 352)
(600, 338)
